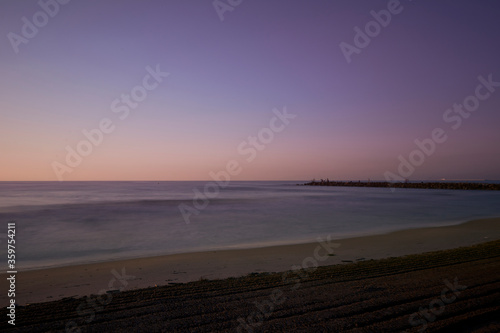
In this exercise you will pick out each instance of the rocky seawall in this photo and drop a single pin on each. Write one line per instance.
(422, 185)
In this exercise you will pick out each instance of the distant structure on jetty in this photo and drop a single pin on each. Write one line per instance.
(422, 185)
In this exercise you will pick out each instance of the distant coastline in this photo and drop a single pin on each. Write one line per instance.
(421, 185)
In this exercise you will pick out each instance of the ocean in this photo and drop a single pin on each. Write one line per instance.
(67, 223)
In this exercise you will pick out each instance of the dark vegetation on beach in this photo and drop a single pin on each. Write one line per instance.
(366, 296)
(422, 185)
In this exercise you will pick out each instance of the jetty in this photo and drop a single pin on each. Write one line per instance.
(420, 185)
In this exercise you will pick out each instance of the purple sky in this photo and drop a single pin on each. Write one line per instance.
(354, 120)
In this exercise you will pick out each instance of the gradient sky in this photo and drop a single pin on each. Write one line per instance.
(353, 119)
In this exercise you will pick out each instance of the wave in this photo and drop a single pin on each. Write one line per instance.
(121, 203)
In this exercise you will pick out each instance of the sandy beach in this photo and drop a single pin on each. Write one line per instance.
(455, 290)
(74, 281)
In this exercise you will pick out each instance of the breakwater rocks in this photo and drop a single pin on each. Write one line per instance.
(422, 185)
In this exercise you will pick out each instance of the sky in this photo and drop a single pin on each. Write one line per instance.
(251, 90)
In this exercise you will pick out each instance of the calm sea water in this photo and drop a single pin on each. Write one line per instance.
(63, 223)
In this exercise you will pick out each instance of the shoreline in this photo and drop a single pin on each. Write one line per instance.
(74, 281)
(247, 246)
